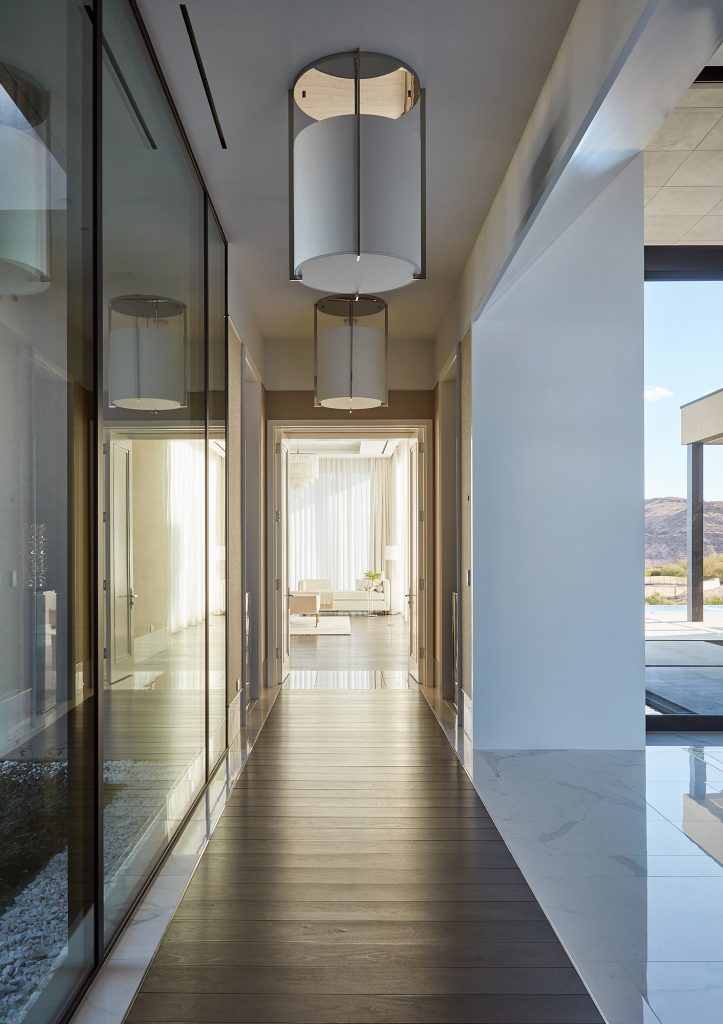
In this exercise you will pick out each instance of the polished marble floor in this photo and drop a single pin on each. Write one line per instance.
(684, 660)
(624, 852)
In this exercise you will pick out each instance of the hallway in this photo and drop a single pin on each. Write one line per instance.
(355, 876)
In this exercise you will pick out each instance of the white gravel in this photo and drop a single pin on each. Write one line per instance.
(34, 928)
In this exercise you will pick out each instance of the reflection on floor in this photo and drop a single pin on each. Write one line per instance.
(376, 643)
(624, 851)
(684, 660)
(112, 991)
(154, 731)
(313, 680)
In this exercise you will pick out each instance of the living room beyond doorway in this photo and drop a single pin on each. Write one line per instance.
(349, 561)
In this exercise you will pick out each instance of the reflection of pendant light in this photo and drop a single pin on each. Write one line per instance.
(350, 360)
(24, 186)
(146, 353)
(303, 469)
(357, 174)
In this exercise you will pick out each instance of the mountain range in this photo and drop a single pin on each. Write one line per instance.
(665, 529)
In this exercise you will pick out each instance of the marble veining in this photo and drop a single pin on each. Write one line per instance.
(624, 852)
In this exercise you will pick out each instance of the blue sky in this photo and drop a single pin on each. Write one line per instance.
(683, 360)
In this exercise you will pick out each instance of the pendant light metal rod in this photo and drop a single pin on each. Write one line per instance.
(421, 276)
(386, 356)
(357, 114)
(351, 355)
(293, 276)
(317, 403)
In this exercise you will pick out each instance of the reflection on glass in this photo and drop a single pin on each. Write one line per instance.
(155, 470)
(46, 696)
(216, 490)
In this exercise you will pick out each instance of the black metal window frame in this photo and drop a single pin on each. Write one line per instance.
(684, 263)
(102, 945)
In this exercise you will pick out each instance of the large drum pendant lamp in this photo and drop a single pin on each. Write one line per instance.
(357, 174)
(24, 186)
(146, 353)
(351, 335)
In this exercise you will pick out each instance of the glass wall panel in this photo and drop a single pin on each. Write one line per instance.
(46, 410)
(155, 468)
(216, 489)
(683, 365)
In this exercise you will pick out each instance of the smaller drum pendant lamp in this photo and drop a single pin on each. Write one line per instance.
(24, 185)
(351, 335)
(146, 353)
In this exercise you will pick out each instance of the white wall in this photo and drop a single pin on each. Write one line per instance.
(255, 531)
(240, 311)
(289, 365)
(620, 69)
(557, 452)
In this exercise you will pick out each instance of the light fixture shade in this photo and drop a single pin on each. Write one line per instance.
(356, 162)
(146, 353)
(351, 368)
(24, 187)
(351, 334)
(391, 553)
(146, 369)
(325, 205)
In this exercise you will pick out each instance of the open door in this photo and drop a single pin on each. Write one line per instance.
(281, 559)
(415, 590)
(120, 560)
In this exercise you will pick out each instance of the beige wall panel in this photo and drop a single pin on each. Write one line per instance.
(295, 405)
(234, 570)
(466, 488)
(151, 569)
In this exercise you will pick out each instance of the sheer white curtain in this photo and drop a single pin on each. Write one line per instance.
(187, 492)
(330, 524)
(340, 523)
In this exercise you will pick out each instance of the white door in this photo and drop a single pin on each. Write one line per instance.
(120, 561)
(281, 559)
(413, 561)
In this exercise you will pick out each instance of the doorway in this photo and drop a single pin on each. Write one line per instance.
(349, 552)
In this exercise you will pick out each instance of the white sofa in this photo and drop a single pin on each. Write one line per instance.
(358, 600)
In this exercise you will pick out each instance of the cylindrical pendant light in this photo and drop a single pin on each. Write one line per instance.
(350, 357)
(357, 174)
(146, 353)
(24, 186)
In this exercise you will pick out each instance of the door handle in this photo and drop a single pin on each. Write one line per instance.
(133, 597)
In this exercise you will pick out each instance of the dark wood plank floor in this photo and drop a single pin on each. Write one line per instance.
(376, 642)
(354, 878)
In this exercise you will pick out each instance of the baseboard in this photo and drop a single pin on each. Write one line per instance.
(234, 718)
(467, 716)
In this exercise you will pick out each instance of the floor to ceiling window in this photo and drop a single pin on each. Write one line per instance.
(217, 341)
(683, 583)
(113, 510)
(46, 387)
(683, 363)
(155, 464)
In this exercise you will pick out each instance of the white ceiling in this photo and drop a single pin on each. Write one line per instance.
(684, 172)
(482, 61)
